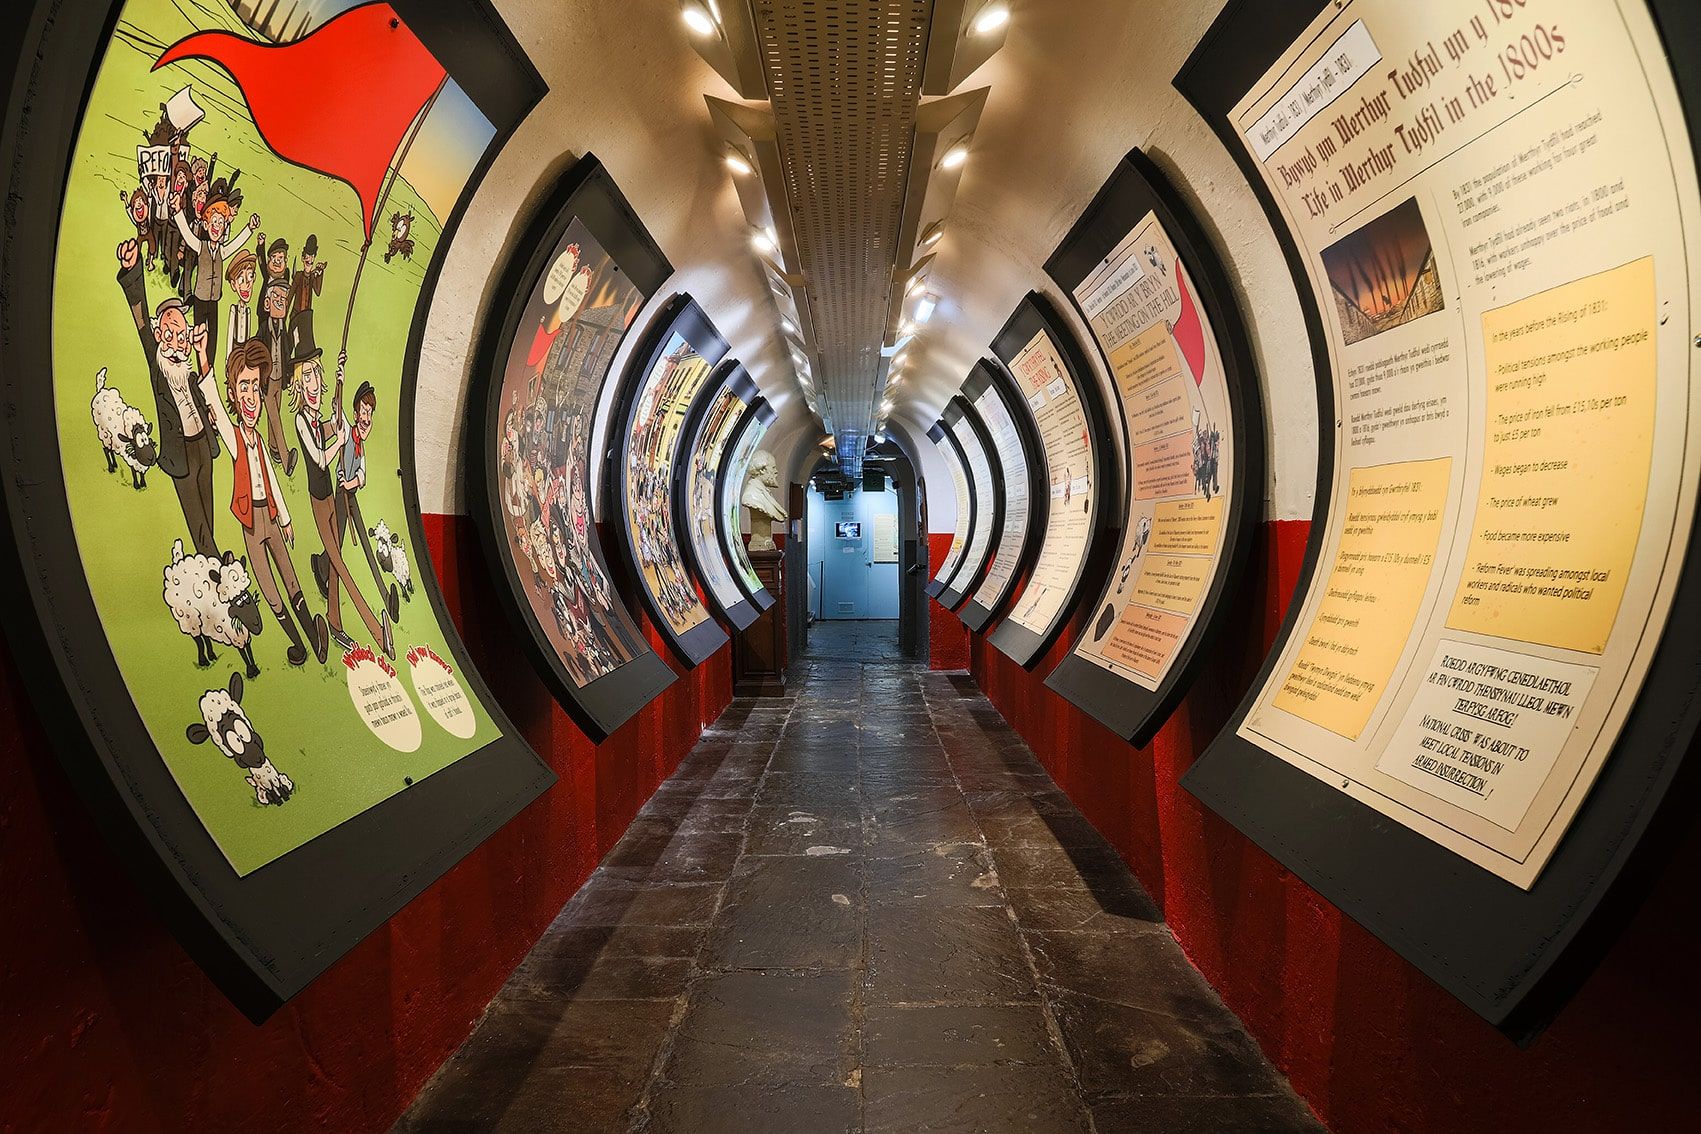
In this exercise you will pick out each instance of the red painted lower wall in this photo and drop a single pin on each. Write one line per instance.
(947, 637)
(105, 1024)
(1371, 1043)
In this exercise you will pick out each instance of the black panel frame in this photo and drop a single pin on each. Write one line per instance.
(1135, 188)
(730, 375)
(681, 315)
(959, 414)
(1036, 313)
(1514, 957)
(262, 938)
(990, 374)
(943, 439)
(760, 412)
(588, 194)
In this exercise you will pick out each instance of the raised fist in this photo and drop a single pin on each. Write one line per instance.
(127, 253)
(198, 337)
(254, 222)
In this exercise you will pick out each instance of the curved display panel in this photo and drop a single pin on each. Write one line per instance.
(270, 713)
(986, 484)
(963, 488)
(1477, 703)
(1057, 383)
(1009, 429)
(664, 379)
(576, 280)
(1158, 304)
(709, 431)
(746, 440)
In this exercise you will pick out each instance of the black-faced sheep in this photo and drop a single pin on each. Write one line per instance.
(224, 722)
(124, 433)
(212, 603)
(392, 557)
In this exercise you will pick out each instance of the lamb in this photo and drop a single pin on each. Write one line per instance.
(224, 722)
(124, 433)
(392, 557)
(212, 603)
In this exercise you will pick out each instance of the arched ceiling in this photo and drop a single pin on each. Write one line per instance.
(1073, 88)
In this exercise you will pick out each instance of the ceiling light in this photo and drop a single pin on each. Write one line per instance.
(886, 406)
(991, 18)
(925, 307)
(955, 156)
(736, 162)
(698, 19)
(764, 242)
(908, 327)
(916, 286)
(933, 234)
(715, 11)
(788, 326)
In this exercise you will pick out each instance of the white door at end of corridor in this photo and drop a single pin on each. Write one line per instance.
(854, 574)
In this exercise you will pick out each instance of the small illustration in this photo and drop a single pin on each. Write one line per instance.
(212, 602)
(124, 433)
(1384, 274)
(393, 558)
(224, 722)
(401, 244)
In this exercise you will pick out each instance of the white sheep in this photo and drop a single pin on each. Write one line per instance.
(225, 723)
(212, 603)
(392, 557)
(124, 433)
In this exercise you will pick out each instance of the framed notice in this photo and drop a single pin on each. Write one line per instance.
(1083, 493)
(986, 481)
(664, 378)
(1478, 700)
(225, 608)
(708, 430)
(745, 443)
(962, 486)
(1147, 283)
(885, 538)
(1009, 428)
(566, 302)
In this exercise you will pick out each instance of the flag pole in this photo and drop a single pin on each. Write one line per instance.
(390, 176)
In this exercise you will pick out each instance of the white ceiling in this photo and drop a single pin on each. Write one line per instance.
(1077, 84)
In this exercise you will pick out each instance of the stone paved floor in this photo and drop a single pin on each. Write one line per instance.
(862, 907)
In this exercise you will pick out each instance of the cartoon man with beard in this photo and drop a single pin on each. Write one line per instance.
(176, 355)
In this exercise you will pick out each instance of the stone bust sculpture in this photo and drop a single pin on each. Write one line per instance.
(761, 497)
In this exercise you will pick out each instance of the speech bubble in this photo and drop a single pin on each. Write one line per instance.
(560, 274)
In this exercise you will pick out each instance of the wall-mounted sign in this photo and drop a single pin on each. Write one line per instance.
(1494, 208)
(886, 538)
(708, 431)
(986, 481)
(567, 300)
(664, 378)
(1056, 381)
(1149, 287)
(962, 487)
(746, 441)
(1010, 431)
(225, 599)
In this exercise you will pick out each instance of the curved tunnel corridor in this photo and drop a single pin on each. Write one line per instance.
(814, 565)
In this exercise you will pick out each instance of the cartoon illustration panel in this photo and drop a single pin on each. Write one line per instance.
(240, 262)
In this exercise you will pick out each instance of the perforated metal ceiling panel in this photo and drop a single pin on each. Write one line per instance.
(844, 77)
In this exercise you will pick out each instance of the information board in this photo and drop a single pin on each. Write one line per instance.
(1493, 210)
(963, 488)
(709, 429)
(563, 307)
(746, 441)
(985, 482)
(663, 382)
(1009, 427)
(1057, 383)
(1149, 287)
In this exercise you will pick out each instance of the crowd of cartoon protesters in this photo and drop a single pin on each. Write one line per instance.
(211, 389)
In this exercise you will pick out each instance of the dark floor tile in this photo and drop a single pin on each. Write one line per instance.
(1207, 1114)
(1026, 867)
(802, 912)
(817, 757)
(688, 811)
(936, 875)
(743, 1024)
(956, 1035)
(796, 831)
(808, 789)
(685, 856)
(610, 963)
(1141, 968)
(970, 1100)
(761, 1105)
(925, 816)
(1105, 907)
(611, 901)
(964, 955)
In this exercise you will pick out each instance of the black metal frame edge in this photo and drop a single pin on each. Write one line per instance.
(1641, 803)
(758, 411)
(990, 374)
(955, 595)
(603, 705)
(1135, 187)
(730, 374)
(948, 436)
(682, 314)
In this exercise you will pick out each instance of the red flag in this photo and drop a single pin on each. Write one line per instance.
(1189, 334)
(338, 101)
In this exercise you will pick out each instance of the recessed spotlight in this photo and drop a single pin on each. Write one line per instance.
(955, 156)
(916, 287)
(925, 307)
(991, 18)
(788, 326)
(736, 162)
(907, 328)
(697, 18)
(933, 234)
(764, 242)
